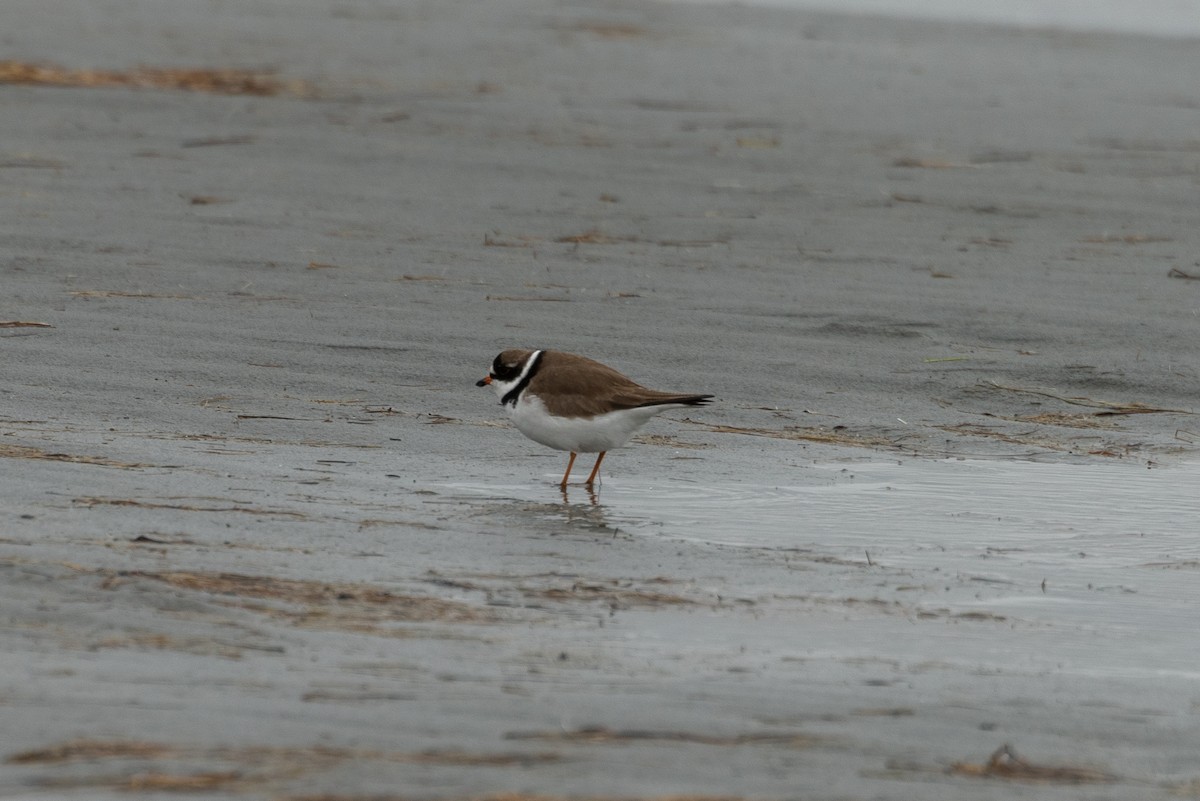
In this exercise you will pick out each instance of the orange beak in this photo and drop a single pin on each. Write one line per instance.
(483, 382)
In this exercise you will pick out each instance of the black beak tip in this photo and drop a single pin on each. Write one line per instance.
(481, 382)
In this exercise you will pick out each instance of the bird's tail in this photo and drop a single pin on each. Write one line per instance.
(679, 400)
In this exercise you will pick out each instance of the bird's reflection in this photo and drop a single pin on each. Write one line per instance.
(581, 511)
(559, 511)
(592, 492)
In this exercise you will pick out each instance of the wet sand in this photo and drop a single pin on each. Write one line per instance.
(259, 533)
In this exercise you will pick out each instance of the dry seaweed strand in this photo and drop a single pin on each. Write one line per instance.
(1062, 419)
(224, 81)
(913, 162)
(669, 441)
(609, 30)
(26, 452)
(592, 236)
(603, 734)
(529, 298)
(1005, 763)
(244, 766)
(73, 750)
(490, 241)
(835, 436)
(616, 596)
(176, 782)
(117, 293)
(183, 507)
(1109, 407)
(1016, 438)
(394, 606)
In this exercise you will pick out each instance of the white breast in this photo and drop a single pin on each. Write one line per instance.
(579, 434)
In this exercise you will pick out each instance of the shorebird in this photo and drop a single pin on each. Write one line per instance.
(572, 403)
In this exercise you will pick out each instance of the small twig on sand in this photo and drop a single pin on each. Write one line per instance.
(1109, 407)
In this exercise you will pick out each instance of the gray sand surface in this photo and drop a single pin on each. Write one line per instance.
(243, 550)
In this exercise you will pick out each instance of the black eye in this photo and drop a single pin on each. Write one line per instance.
(505, 372)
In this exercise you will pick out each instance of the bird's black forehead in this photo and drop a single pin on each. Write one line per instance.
(505, 371)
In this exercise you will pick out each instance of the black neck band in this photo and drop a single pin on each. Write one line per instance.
(513, 394)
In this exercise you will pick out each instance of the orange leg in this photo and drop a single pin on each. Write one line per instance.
(570, 464)
(595, 470)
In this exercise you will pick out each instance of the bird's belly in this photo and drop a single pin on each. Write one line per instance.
(603, 432)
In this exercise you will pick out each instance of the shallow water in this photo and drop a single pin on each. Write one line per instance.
(1099, 563)
(1173, 18)
(937, 504)
(914, 505)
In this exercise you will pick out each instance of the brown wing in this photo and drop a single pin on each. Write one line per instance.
(651, 397)
(583, 387)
